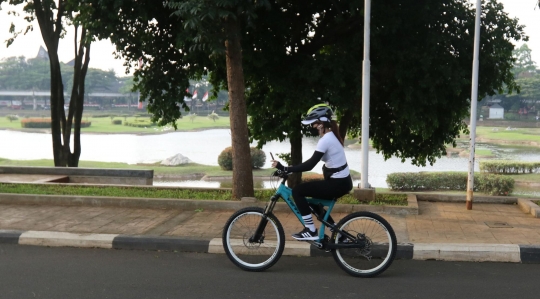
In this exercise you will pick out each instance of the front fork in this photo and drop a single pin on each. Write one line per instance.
(258, 236)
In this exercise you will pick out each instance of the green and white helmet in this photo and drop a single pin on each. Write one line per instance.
(321, 112)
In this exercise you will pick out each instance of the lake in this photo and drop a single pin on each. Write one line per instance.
(204, 147)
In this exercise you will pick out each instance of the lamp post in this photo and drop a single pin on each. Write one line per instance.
(366, 71)
(474, 102)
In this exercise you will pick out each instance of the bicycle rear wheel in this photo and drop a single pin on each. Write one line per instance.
(378, 251)
(248, 254)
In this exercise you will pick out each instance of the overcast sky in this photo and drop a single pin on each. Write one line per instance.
(101, 52)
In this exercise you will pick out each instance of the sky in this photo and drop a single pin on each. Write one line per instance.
(101, 53)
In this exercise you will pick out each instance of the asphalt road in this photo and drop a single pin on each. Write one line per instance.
(42, 272)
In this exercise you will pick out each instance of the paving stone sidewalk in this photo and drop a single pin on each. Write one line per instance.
(437, 222)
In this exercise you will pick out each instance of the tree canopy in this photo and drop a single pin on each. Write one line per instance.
(421, 70)
(298, 53)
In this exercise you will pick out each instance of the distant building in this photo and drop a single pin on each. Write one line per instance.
(496, 112)
(42, 53)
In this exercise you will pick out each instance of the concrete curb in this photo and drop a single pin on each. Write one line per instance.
(512, 253)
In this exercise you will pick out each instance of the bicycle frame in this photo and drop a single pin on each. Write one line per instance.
(286, 192)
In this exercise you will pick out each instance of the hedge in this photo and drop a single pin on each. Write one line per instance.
(424, 181)
(43, 123)
(509, 167)
(258, 158)
(139, 124)
(116, 121)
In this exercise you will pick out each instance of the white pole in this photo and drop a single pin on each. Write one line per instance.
(474, 102)
(365, 95)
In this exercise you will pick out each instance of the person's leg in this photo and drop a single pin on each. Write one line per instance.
(326, 189)
(299, 195)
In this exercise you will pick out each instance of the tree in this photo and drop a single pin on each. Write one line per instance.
(216, 24)
(201, 37)
(524, 66)
(51, 16)
(421, 56)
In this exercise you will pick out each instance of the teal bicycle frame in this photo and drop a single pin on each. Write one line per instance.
(286, 192)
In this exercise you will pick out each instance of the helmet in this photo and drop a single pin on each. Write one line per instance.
(321, 112)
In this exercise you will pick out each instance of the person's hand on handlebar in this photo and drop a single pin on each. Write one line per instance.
(276, 164)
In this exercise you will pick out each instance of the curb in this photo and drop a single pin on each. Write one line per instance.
(512, 253)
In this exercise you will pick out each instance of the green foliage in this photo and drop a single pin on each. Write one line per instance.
(225, 160)
(524, 65)
(419, 87)
(140, 124)
(116, 121)
(427, 181)
(12, 117)
(509, 167)
(213, 116)
(170, 193)
(258, 158)
(42, 123)
(286, 157)
(494, 184)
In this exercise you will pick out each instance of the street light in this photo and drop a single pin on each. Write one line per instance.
(474, 102)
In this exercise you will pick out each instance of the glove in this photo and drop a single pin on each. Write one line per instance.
(280, 167)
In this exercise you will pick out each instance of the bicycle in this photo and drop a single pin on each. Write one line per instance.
(363, 244)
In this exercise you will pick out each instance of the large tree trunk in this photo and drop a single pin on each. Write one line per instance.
(61, 126)
(242, 172)
(77, 100)
(345, 122)
(57, 109)
(296, 158)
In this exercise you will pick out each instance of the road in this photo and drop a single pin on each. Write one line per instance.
(42, 272)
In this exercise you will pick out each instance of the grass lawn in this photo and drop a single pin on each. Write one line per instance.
(529, 177)
(104, 125)
(499, 133)
(171, 171)
(181, 193)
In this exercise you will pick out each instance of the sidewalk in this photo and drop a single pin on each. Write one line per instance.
(442, 230)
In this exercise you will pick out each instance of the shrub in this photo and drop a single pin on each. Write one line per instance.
(42, 123)
(424, 181)
(494, 184)
(12, 117)
(116, 121)
(213, 116)
(509, 167)
(258, 158)
(139, 124)
(427, 181)
(225, 161)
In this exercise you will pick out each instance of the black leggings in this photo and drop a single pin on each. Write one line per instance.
(327, 189)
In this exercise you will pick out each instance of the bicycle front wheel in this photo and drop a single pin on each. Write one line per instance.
(241, 247)
(378, 241)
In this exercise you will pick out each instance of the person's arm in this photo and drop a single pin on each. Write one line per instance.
(306, 166)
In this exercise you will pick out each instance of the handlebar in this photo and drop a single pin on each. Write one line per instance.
(282, 174)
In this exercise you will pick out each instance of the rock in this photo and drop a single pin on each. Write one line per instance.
(175, 160)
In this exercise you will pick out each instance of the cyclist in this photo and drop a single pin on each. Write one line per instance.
(337, 180)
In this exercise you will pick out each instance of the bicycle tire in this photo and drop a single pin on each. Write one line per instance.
(380, 249)
(253, 256)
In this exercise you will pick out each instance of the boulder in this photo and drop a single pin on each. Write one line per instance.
(175, 160)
